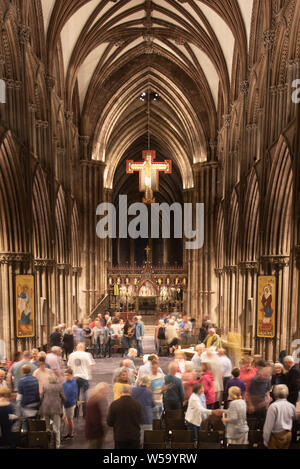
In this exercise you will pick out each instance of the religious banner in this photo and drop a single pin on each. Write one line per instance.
(266, 307)
(25, 314)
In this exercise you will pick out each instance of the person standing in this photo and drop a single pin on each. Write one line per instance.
(42, 374)
(3, 382)
(174, 396)
(236, 419)
(15, 373)
(226, 366)
(55, 362)
(6, 418)
(98, 339)
(52, 406)
(28, 395)
(125, 416)
(195, 411)
(259, 393)
(144, 396)
(212, 339)
(171, 334)
(247, 372)
(68, 342)
(139, 332)
(128, 334)
(157, 385)
(279, 421)
(108, 334)
(70, 390)
(81, 363)
(292, 379)
(95, 425)
(56, 337)
(197, 358)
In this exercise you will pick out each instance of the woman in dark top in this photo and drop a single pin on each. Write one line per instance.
(127, 336)
(6, 412)
(278, 377)
(68, 343)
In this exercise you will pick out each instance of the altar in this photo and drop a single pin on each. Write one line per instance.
(147, 290)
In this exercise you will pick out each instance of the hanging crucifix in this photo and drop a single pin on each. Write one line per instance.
(149, 173)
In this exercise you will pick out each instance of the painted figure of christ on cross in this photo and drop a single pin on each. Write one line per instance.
(149, 173)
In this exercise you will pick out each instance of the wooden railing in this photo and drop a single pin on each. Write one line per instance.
(101, 307)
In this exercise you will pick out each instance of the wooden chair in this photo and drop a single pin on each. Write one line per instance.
(209, 445)
(174, 414)
(238, 447)
(38, 440)
(154, 439)
(20, 439)
(175, 424)
(208, 437)
(182, 439)
(157, 424)
(36, 425)
(256, 439)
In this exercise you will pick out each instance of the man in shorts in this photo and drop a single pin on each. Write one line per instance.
(71, 393)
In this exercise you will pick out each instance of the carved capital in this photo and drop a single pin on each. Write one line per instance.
(227, 120)
(50, 82)
(84, 140)
(248, 266)
(244, 87)
(43, 263)
(24, 33)
(41, 124)
(69, 116)
(219, 272)
(11, 257)
(268, 38)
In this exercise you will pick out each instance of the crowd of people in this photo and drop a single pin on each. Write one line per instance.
(210, 388)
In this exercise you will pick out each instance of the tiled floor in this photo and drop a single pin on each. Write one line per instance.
(103, 371)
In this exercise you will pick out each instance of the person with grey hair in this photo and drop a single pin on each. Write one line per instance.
(292, 378)
(51, 409)
(143, 394)
(15, 373)
(279, 421)
(171, 334)
(55, 362)
(213, 339)
(125, 416)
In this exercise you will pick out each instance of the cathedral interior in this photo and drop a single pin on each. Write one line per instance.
(207, 84)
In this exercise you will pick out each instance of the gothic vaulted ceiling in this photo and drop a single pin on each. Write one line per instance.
(188, 51)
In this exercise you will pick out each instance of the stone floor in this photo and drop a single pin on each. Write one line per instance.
(103, 371)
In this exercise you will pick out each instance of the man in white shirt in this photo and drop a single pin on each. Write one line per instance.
(226, 366)
(81, 363)
(279, 421)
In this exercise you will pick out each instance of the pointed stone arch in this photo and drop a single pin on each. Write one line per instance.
(61, 228)
(279, 202)
(251, 218)
(41, 213)
(13, 232)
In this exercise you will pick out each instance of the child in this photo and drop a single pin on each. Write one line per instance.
(71, 392)
(196, 411)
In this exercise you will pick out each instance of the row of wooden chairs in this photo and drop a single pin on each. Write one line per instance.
(183, 439)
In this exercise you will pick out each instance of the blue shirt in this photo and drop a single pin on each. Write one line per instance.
(29, 388)
(145, 397)
(71, 393)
